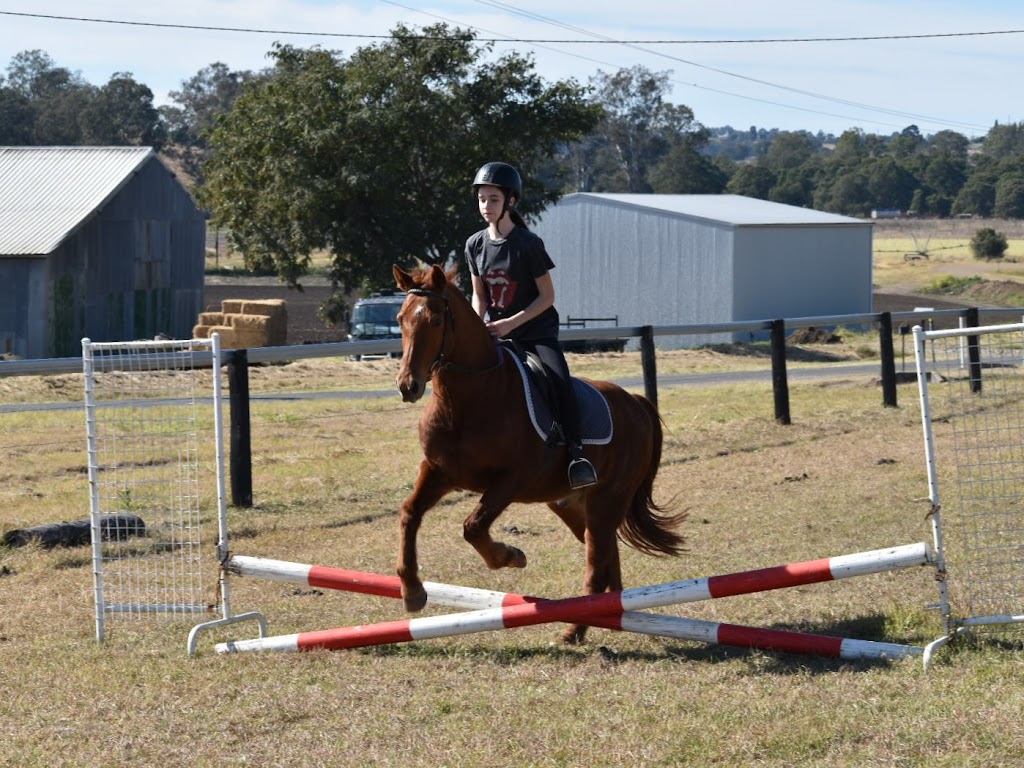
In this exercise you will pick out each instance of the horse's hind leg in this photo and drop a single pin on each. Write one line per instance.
(604, 570)
(476, 529)
(430, 487)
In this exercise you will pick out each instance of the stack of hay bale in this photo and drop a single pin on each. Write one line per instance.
(246, 323)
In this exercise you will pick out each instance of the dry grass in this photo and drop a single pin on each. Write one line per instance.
(847, 476)
(912, 253)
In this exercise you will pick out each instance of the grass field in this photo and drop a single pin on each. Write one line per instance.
(846, 476)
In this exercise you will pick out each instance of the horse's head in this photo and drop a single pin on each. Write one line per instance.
(427, 325)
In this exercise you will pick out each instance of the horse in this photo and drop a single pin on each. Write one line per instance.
(476, 435)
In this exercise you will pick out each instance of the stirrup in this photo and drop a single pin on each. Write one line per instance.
(581, 473)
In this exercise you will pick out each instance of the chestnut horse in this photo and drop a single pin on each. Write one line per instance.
(477, 435)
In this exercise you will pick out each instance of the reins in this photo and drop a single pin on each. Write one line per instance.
(440, 363)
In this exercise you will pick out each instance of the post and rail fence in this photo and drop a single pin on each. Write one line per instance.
(238, 361)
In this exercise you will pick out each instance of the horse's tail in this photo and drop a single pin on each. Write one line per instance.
(648, 526)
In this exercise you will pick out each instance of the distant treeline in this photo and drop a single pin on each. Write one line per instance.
(642, 143)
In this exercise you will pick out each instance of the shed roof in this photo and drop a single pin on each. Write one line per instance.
(733, 210)
(46, 193)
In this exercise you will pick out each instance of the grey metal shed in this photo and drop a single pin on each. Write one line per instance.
(103, 242)
(681, 259)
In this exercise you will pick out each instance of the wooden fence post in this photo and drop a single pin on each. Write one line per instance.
(241, 429)
(780, 382)
(649, 364)
(888, 356)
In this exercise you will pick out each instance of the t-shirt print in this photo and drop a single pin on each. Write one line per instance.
(501, 287)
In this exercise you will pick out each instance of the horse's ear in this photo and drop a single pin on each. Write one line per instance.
(402, 278)
(452, 275)
(437, 279)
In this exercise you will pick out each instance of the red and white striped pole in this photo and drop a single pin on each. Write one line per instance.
(612, 610)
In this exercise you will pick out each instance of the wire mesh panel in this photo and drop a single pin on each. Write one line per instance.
(150, 418)
(972, 396)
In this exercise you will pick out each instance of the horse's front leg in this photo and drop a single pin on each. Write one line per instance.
(431, 485)
(477, 531)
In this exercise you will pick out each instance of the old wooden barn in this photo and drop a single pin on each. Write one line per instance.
(103, 242)
(684, 259)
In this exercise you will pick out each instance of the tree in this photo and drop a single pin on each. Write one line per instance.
(1009, 203)
(790, 149)
(372, 157)
(978, 194)
(889, 185)
(55, 97)
(122, 113)
(197, 105)
(639, 130)
(1004, 141)
(752, 181)
(988, 243)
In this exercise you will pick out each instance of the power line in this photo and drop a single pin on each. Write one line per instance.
(572, 41)
(593, 38)
(858, 105)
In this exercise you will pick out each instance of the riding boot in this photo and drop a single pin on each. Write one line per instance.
(581, 472)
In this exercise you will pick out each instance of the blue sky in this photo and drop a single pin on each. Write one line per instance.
(956, 82)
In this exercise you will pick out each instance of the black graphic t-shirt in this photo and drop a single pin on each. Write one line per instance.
(509, 269)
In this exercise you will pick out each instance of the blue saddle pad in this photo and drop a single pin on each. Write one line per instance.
(595, 415)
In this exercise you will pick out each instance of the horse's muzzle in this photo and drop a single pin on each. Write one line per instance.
(411, 388)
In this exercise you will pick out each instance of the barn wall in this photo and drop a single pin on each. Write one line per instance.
(22, 313)
(646, 267)
(802, 271)
(133, 270)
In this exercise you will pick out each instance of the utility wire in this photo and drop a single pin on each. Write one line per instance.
(595, 38)
(574, 41)
(858, 105)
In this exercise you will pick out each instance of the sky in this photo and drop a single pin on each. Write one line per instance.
(786, 64)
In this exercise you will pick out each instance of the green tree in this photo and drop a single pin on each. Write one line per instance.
(194, 111)
(752, 181)
(372, 157)
(988, 243)
(1009, 202)
(122, 113)
(1004, 141)
(790, 149)
(638, 132)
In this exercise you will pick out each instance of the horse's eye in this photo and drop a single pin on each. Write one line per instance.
(436, 320)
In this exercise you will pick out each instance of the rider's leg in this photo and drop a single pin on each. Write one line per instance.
(581, 471)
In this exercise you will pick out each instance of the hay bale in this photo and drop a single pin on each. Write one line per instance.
(200, 331)
(232, 306)
(211, 318)
(276, 310)
(227, 336)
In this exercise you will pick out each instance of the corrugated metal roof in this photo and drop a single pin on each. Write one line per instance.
(46, 193)
(734, 210)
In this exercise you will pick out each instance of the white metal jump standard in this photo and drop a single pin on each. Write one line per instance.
(141, 430)
(977, 372)
(615, 610)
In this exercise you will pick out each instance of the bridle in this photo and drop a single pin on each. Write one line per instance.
(449, 317)
(439, 361)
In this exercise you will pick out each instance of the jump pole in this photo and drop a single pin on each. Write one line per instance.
(629, 621)
(614, 610)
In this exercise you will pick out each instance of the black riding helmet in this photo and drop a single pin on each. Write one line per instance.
(500, 175)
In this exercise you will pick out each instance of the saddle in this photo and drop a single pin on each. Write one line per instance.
(595, 415)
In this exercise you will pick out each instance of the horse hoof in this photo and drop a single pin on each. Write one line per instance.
(516, 558)
(414, 599)
(574, 634)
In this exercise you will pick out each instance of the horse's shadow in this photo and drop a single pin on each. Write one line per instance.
(761, 661)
